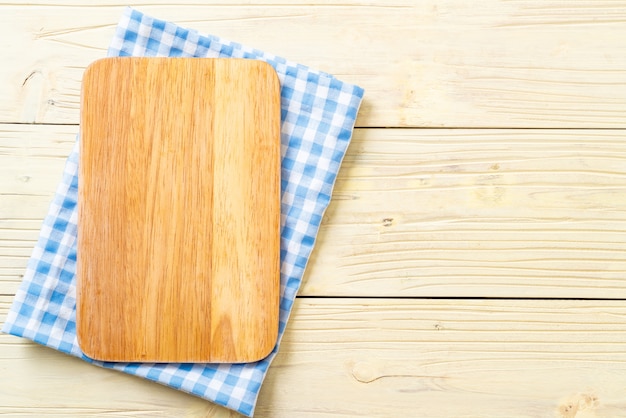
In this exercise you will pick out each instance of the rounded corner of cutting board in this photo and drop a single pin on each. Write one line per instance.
(266, 350)
(95, 66)
(86, 348)
(268, 70)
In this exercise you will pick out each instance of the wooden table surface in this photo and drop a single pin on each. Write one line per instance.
(472, 262)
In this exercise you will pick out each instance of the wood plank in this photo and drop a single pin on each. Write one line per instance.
(507, 213)
(423, 64)
(377, 358)
(179, 210)
(516, 213)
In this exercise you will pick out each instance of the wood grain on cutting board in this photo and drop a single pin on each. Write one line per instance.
(178, 241)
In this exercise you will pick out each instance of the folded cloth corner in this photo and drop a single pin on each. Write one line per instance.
(318, 114)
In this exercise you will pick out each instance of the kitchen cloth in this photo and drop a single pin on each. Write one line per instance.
(318, 113)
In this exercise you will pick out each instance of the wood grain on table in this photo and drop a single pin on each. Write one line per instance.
(472, 262)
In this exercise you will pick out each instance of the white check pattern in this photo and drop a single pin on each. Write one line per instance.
(318, 113)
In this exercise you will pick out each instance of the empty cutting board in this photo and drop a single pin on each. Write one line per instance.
(178, 210)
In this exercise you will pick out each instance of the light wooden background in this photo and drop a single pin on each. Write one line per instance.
(472, 262)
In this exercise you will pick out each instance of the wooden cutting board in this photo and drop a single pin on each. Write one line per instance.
(179, 210)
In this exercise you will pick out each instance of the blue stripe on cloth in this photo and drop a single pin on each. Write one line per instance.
(318, 113)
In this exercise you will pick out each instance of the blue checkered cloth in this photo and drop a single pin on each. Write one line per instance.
(318, 113)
